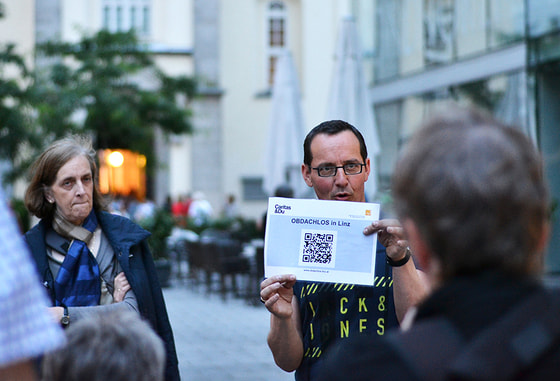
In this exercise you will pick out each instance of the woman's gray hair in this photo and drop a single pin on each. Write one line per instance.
(475, 189)
(114, 346)
(44, 170)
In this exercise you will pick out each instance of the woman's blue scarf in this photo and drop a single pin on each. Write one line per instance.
(78, 282)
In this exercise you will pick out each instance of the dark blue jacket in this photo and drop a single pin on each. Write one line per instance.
(128, 241)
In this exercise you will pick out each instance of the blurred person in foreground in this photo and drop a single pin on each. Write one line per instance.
(26, 328)
(124, 344)
(90, 261)
(472, 198)
(308, 318)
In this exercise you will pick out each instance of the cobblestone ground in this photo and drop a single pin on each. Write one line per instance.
(220, 340)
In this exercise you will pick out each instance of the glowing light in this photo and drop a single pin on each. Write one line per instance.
(141, 161)
(115, 159)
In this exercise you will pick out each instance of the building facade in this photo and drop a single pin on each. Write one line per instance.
(252, 33)
(231, 47)
(418, 55)
(502, 55)
(165, 26)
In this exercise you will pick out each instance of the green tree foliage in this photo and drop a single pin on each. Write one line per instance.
(160, 224)
(99, 77)
(16, 129)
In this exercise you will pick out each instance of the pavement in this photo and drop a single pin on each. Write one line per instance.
(220, 339)
(225, 340)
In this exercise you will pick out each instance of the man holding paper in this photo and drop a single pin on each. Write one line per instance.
(308, 317)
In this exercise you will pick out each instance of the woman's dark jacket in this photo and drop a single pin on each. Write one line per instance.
(128, 241)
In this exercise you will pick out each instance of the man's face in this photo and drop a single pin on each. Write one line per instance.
(336, 150)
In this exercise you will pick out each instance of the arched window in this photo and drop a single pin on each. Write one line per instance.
(276, 35)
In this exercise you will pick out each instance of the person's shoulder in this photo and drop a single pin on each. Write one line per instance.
(38, 230)
(114, 226)
(104, 217)
(33, 230)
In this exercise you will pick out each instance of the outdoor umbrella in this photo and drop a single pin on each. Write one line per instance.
(283, 156)
(349, 99)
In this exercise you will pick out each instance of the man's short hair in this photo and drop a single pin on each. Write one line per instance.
(475, 189)
(331, 127)
(114, 346)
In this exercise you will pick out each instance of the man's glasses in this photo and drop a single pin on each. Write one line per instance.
(349, 169)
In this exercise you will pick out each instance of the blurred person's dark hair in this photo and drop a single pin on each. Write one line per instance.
(476, 190)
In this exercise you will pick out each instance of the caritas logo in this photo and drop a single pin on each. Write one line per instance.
(280, 209)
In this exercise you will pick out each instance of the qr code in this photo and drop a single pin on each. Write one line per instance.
(318, 248)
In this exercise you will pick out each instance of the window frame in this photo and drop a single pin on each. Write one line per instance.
(124, 15)
(276, 24)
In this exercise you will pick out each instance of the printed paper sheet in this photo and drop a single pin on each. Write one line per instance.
(320, 240)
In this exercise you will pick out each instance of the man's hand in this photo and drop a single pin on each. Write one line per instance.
(284, 338)
(410, 285)
(391, 235)
(277, 293)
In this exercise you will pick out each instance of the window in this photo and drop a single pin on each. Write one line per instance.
(439, 42)
(276, 32)
(123, 15)
(146, 20)
(276, 35)
(133, 21)
(252, 189)
(106, 17)
(119, 19)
